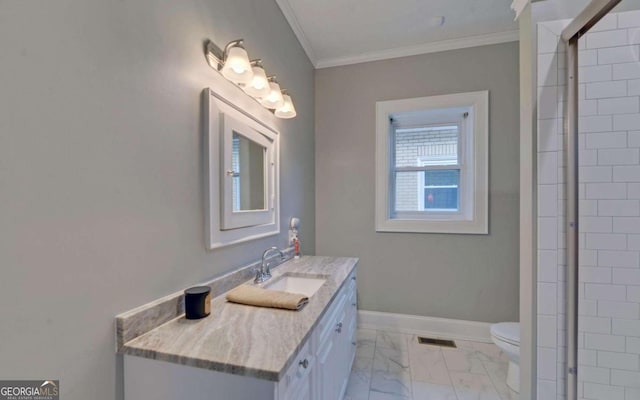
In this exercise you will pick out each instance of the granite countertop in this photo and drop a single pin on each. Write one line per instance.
(245, 340)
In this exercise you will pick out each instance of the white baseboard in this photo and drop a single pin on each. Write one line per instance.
(425, 326)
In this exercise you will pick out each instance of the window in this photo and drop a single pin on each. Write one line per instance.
(440, 190)
(431, 164)
(427, 167)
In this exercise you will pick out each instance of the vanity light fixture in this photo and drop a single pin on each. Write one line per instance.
(259, 86)
(274, 99)
(233, 63)
(287, 110)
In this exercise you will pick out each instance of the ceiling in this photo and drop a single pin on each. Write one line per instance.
(339, 32)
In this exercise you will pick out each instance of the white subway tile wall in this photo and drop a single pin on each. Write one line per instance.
(609, 159)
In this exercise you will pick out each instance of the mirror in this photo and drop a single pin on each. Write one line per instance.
(248, 173)
(242, 158)
(248, 164)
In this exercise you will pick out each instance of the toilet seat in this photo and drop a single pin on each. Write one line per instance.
(508, 332)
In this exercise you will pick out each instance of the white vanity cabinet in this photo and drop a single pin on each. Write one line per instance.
(319, 371)
(328, 354)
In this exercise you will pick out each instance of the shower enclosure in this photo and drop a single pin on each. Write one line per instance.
(588, 306)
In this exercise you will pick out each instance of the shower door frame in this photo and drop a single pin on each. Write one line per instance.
(593, 13)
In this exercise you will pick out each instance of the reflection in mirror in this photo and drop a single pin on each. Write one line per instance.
(248, 163)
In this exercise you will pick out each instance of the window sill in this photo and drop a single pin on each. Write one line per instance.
(471, 227)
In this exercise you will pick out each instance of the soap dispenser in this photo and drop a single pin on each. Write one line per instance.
(294, 226)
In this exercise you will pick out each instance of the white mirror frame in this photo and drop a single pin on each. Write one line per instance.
(225, 228)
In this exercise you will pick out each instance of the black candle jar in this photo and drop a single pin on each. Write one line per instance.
(197, 302)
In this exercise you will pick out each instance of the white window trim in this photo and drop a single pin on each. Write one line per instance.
(476, 221)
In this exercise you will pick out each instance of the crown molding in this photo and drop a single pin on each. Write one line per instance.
(432, 47)
(518, 6)
(290, 15)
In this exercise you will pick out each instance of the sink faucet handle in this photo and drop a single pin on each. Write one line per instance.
(260, 276)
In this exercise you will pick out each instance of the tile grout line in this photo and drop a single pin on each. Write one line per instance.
(406, 344)
(493, 384)
(373, 359)
(449, 373)
(446, 363)
(441, 353)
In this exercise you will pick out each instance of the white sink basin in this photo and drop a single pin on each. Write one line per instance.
(296, 284)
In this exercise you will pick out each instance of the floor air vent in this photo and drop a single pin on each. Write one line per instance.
(436, 342)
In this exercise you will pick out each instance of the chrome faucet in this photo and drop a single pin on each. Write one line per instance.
(264, 273)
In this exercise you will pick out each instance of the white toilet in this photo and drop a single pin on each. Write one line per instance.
(506, 335)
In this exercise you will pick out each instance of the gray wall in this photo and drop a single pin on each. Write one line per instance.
(471, 277)
(101, 169)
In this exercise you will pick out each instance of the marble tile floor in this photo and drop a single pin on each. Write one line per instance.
(394, 366)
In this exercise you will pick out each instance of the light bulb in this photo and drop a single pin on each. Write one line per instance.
(236, 67)
(287, 110)
(274, 99)
(259, 86)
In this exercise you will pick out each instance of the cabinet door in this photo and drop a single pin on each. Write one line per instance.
(305, 395)
(346, 340)
(329, 372)
(303, 392)
(323, 370)
(345, 352)
(297, 382)
(335, 348)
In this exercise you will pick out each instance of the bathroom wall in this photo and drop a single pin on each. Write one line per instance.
(101, 170)
(468, 277)
(609, 167)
